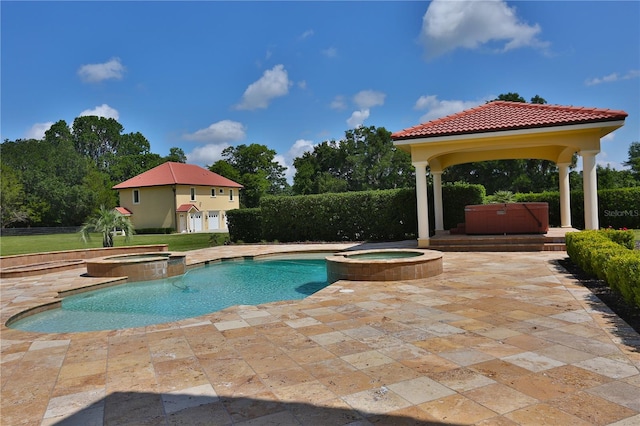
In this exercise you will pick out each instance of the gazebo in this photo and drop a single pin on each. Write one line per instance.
(502, 130)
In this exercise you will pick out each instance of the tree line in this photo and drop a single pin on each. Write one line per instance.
(65, 177)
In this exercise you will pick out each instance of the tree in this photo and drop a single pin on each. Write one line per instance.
(96, 137)
(365, 159)
(176, 155)
(254, 167)
(634, 160)
(132, 157)
(513, 97)
(105, 222)
(11, 198)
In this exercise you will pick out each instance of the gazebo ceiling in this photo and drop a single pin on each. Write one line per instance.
(508, 130)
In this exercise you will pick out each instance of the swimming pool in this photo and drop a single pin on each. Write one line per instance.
(200, 291)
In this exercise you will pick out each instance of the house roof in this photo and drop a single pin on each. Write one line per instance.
(187, 208)
(171, 173)
(123, 211)
(504, 115)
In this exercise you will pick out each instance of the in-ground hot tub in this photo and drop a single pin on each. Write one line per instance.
(507, 218)
(383, 265)
(138, 267)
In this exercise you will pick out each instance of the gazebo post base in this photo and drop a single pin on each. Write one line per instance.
(423, 242)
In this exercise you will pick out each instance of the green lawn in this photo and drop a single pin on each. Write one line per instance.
(10, 245)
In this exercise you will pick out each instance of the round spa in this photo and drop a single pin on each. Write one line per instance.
(139, 266)
(383, 265)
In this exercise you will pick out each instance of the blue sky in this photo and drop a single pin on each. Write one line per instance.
(203, 76)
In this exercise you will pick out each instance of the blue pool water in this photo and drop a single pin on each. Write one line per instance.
(198, 292)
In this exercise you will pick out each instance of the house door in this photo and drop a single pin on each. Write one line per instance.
(182, 223)
(214, 223)
(196, 222)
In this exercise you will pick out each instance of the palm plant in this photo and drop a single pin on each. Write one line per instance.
(501, 197)
(105, 221)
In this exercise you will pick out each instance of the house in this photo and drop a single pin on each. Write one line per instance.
(184, 197)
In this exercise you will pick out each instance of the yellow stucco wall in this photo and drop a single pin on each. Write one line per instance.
(157, 206)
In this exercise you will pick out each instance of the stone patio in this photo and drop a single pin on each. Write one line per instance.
(498, 339)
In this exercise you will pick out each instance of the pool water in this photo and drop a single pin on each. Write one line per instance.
(198, 292)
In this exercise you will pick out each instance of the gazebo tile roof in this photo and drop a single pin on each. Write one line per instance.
(505, 115)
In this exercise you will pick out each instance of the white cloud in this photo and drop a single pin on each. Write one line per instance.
(297, 150)
(437, 108)
(369, 98)
(448, 25)
(611, 78)
(300, 147)
(306, 34)
(103, 110)
(338, 102)
(273, 83)
(330, 52)
(357, 118)
(95, 73)
(222, 131)
(207, 154)
(37, 130)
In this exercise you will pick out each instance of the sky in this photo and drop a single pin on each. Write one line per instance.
(206, 75)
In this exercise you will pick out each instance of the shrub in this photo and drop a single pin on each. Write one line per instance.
(454, 197)
(349, 216)
(618, 208)
(155, 231)
(623, 274)
(245, 225)
(607, 254)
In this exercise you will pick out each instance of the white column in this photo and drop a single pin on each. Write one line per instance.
(590, 187)
(437, 200)
(423, 206)
(565, 195)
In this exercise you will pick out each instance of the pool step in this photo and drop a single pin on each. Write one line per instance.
(461, 242)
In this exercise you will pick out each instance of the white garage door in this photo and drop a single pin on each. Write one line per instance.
(196, 222)
(214, 223)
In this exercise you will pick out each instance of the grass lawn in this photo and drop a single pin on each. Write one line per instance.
(10, 245)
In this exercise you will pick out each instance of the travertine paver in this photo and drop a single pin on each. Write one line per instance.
(497, 339)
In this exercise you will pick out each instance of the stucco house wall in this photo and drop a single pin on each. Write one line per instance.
(155, 209)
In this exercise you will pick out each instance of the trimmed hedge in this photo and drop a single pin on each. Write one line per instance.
(454, 198)
(154, 231)
(245, 225)
(608, 255)
(350, 216)
(618, 208)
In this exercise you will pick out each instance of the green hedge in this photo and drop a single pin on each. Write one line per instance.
(351, 216)
(454, 198)
(245, 225)
(617, 208)
(609, 255)
(154, 231)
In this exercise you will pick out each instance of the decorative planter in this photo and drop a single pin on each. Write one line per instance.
(509, 218)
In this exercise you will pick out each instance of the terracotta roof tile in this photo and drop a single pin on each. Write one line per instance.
(171, 173)
(123, 211)
(504, 115)
(187, 208)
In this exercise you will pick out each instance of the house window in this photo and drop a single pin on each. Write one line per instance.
(193, 194)
(222, 190)
(136, 196)
(231, 195)
(213, 192)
